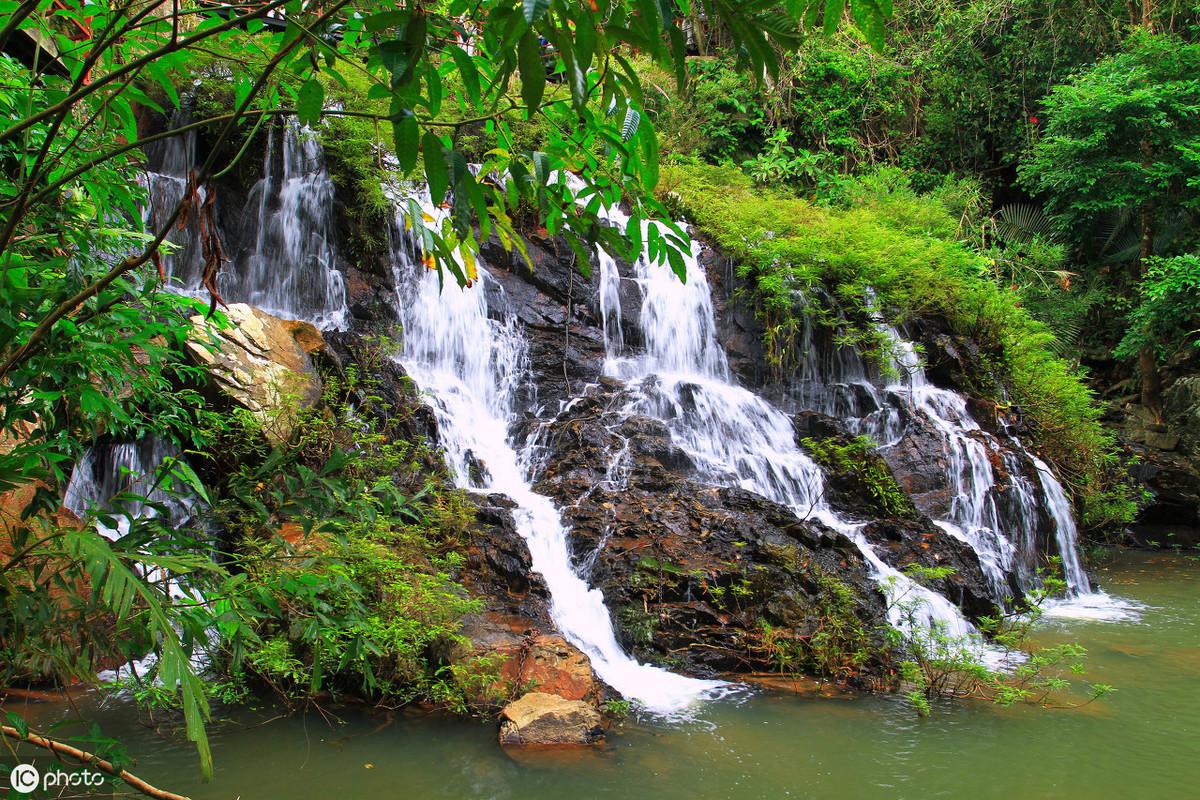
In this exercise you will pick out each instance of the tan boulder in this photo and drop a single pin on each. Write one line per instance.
(546, 719)
(262, 363)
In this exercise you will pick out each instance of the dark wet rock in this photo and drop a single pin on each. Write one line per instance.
(905, 543)
(738, 330)
(920, 465)
(499, 568)
(558, 309)
(693, 574)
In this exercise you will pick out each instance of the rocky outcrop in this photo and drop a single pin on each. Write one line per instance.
(1181, 406)
(1167, 464)
(698, 578)
(546, 719)
(261, 363)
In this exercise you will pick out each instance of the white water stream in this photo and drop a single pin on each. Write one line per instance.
(469, 367)
(281, 253)
(736, 438)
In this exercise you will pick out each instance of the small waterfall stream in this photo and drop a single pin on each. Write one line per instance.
(281, 251)
(286, 264)
(469, 367)
(737, 438)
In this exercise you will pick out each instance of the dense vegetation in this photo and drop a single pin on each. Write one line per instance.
(1021, 172)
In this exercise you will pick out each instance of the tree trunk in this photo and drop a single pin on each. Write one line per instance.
(1151, 379)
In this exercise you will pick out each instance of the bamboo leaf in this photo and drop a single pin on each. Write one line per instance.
(310, 101)
(437, 174)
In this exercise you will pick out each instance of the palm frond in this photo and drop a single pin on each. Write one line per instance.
(1022, 223)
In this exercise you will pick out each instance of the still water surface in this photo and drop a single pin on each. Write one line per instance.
(1142, 742)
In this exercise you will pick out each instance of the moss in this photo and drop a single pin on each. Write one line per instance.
(857, 459)
(347, 540)
(354, 159)
(903, 246)
(836, 643)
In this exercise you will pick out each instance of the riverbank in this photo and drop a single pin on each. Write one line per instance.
(764, 745)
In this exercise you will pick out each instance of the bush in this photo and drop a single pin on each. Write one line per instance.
(346, 542)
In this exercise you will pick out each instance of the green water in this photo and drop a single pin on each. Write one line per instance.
(1139, 743)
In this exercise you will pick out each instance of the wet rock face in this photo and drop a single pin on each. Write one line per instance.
(904, 543)
(499, 569)
(920, 465)
(557, 308)
(690, 572)
(1169, 465)
(547, 719)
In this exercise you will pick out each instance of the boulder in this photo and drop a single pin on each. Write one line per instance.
(552, 665)
(1181, 406)
(546, 719)
(262, 363)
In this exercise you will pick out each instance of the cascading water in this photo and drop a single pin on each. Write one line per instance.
(736, 438)
(1000, 523)
(468, 366)
(283, 253)
(124, 468)
(1081, 602)
(974, 516)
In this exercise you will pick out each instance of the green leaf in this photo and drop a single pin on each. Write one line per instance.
(468, 72)
(833, 14)
(436, 171)
(533, 71)
(310, 102)
(407, 138)
(535, 10)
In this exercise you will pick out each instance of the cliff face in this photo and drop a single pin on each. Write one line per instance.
(697, 577)
(698, 574)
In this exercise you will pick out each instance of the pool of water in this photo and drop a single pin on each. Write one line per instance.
(1140, 742)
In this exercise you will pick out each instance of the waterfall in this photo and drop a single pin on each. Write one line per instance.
(736, 438)
(1081, 602)
(281, 250)
(468, 367)
(105, 472)
(1064, 530)
(974, 517)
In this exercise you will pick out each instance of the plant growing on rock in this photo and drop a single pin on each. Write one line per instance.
(937, 664)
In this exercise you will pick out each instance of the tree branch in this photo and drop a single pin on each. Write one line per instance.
(62, 749)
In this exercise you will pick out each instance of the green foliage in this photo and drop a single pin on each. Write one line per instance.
(981, 69)
(836, 645)
(52, 629)
(616, 707)
(904, 246)
(1118, 137)
(938, 664)
(857, 458)
(1168, 312)
(849, 103)
(780, 163)
(723, 114)
(347, 552)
